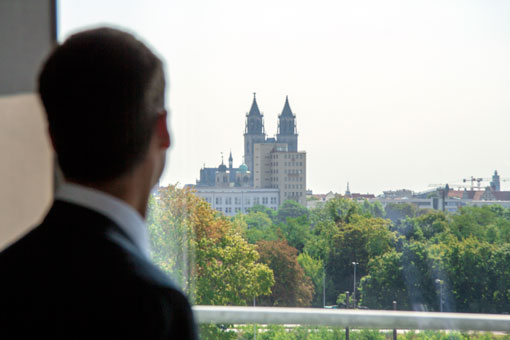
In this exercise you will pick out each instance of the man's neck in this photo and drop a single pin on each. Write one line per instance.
(128, 188)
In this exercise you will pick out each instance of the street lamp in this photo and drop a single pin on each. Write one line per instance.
(324, 286)
(440, 284)
(354, 286)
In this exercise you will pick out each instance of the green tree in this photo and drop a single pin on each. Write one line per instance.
(385, 282)
(203, 250)
(263, 209)
(479, 278)
(340, 210)
(357, 241)
(229, 273)
(342, 301)
(487, 223)
(470, 220)
(319, 244)
(258, 226)
(296, 231)
(400, 211)
(407, 277)
(372, 209)
(314, 269)
(424, 227)
(290, 209)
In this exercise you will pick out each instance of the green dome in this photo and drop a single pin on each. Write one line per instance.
(243, 168)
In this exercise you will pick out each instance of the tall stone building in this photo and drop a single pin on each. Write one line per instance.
(495, 183)
(276, 167)
(223, 177)
(271, 164)
(254, 132)
(276, 161)
(287, 132)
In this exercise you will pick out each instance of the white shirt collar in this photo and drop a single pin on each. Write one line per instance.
(127, 218)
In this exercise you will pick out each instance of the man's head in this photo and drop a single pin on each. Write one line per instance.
(103, 92)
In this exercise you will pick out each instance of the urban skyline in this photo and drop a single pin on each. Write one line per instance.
(388, 95)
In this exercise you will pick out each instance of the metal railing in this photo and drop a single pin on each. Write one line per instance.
(352, 318)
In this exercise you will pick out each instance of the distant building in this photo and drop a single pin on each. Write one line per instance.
(451, 205)
(231, 201)
(495, 183)
(480, 195)
(504, 204)
(401, 193)
(421, 203)
(255, 133)
(275, 167)
(223, 177)
(263, 163)
(269, 163)
(453, 199)
(357, 196)
(490, 193)
(318, 200)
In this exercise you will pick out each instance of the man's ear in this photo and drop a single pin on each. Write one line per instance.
(162, 133)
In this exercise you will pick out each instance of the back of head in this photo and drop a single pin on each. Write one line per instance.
(102, 90)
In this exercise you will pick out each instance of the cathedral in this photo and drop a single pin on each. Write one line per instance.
(254, 133)
(273, 169)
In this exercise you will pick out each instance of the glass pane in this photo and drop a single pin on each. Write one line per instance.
(360, 173)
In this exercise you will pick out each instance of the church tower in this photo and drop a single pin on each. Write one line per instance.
(287, 132)
(253, 133)
(495, 184)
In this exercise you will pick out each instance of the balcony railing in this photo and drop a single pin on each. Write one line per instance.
(375, 319)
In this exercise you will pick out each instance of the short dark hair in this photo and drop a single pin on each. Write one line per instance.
(102, 90)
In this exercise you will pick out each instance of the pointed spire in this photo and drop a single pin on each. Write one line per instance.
(222, 167)
(287, 112)
(254, 110)
(230, 160)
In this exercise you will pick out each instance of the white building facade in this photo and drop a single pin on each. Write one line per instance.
(231, 201)
(451, 205)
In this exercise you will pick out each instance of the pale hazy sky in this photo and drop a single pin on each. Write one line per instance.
(388, 94)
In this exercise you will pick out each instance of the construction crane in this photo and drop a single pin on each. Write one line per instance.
(479, 180)
(460, 186)
(473, 180)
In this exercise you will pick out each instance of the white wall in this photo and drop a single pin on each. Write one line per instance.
(27, 34)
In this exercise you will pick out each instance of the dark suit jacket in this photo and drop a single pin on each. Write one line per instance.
(79, 276)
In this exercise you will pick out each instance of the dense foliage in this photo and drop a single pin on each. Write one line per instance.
(464, 255)
(204, 251)
(299, 257)
(278, 332)
(292, 287)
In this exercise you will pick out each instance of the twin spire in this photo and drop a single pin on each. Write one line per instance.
(254, 110)
(287, 112)
(255, 134)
